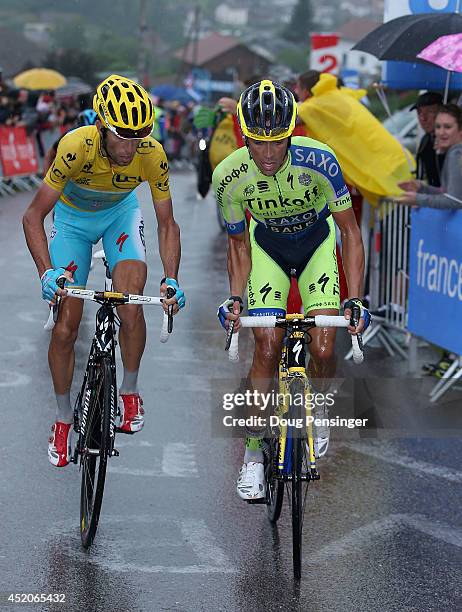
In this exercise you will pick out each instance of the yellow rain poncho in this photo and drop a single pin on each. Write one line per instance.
(370, 157)
(223, 141)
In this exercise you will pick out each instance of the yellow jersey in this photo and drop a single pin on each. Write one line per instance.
(88, 182)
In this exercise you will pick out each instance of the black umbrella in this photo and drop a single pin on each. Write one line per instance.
(403, 38)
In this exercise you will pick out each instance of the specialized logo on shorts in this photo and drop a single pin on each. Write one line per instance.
(304, 179)
(249, 190)
(121, 240)
(265, 291)
(141, 230)
(122, 181)
(323, 280)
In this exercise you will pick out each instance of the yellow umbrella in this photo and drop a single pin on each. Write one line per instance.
(40, 78)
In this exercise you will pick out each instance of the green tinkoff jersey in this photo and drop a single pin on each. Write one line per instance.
(305, 190)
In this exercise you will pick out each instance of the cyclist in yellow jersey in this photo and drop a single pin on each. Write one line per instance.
(90, 184)
(294, 191)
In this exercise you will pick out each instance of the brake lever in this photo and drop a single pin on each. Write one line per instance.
(170, 293)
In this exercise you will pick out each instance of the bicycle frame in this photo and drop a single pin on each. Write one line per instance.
(292, 366)
(103, 344)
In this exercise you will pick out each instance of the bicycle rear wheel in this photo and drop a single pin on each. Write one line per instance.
(274, 487)
(95, 448)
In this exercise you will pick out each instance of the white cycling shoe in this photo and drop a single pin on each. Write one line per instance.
(251, 481)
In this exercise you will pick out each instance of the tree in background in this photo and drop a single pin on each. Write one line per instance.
(301, 23)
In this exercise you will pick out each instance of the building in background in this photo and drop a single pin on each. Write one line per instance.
(367, 66)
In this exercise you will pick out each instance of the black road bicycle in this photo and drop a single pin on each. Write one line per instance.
(289, 450)
(96, 410)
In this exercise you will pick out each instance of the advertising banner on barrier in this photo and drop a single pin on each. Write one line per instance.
(17, 152)
(325, 53)
(404, 75)
(435, 277)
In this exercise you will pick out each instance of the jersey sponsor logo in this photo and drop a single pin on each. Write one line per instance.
(263, 186)
(234, 174)
(290, 180)
(164, 167)
(321, 160)
(309, 216)
(249, 190)
(122, 181)
(83, 180)
(145, 147)
(121, 241)
(259, 204)
(304, 179)
(89, 142)
(53, 232)
(56, 175)
(87, 168)
(325, 304)
(163, 185)
(343, 190)
(277, 295)
(69, 157)
(342, 201)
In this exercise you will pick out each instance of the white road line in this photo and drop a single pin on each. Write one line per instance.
(14, 379)
(385, 527)
(188, 533)
(383, 452)
(178, 460)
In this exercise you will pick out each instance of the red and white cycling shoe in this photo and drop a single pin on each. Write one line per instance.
(59, 444)
(131, 413)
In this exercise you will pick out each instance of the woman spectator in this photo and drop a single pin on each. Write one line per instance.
(448, 139)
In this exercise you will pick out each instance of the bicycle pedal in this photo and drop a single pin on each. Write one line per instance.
(261, 500)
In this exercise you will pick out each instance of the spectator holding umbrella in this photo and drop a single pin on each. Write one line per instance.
(448, 140)
(429, 161)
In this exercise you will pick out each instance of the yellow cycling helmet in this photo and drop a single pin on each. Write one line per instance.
(124, 107)
(267, 111)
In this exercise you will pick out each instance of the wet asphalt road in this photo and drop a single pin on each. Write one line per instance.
(383, 529)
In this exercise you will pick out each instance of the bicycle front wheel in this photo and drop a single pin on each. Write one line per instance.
(95, 447)
(298, 493)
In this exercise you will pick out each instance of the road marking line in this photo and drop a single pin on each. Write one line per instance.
(178, 460)
(14, 379)
(190, 533)
(362, 536)
(382, 451)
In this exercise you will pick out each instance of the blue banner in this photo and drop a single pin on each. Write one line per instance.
(435, 277)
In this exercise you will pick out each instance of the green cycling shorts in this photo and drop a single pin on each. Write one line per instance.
(309, 256)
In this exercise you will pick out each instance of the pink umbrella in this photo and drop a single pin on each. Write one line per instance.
(446, 52)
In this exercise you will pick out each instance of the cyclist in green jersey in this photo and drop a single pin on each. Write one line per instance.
(294, 191)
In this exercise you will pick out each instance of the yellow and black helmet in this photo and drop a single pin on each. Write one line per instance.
(124, 107)
(267, 111)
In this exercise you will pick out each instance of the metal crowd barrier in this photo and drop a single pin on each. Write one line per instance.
(388, 289)
(389, 277)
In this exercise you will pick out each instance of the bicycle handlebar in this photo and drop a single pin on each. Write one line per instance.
(117, 298)
(316, 321)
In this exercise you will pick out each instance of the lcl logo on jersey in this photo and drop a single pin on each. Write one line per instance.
(122, 181)
(145, 147)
